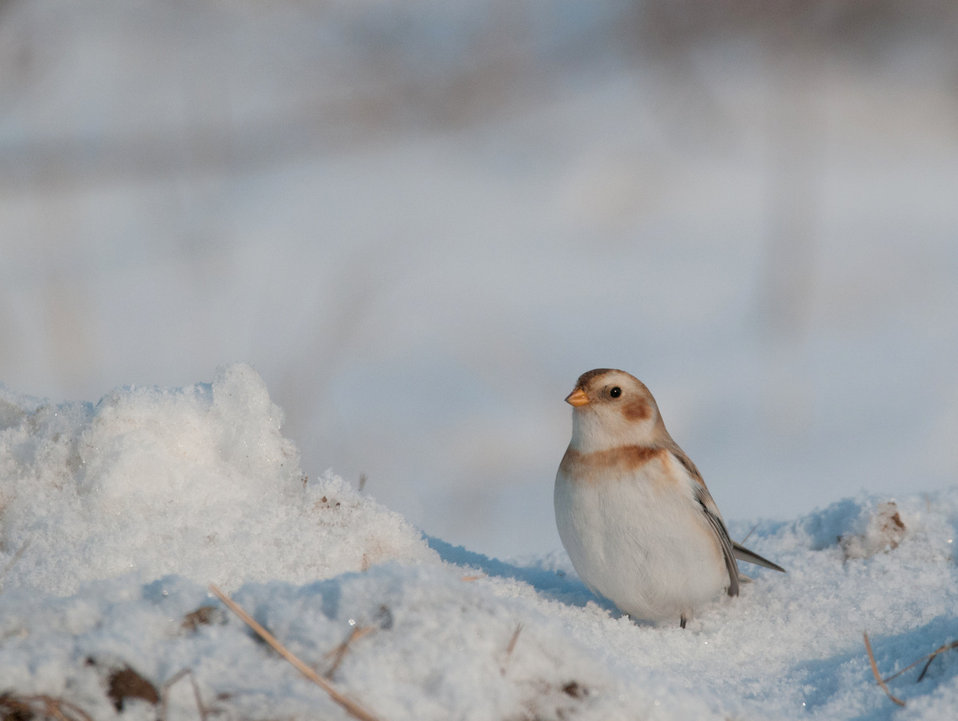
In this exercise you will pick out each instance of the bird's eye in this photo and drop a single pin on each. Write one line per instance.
(615, 391)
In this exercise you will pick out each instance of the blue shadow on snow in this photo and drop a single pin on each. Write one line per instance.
(549, 583)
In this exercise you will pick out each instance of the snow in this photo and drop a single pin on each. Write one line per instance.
(117, 515)
(206, 463)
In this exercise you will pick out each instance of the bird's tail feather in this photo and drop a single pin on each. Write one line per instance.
(743, 554)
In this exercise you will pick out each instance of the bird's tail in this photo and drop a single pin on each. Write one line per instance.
(743, 554)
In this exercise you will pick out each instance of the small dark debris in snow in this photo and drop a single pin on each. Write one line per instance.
(384, 617)
(13, 709)
(884, 532)
(39, 708)
(203, 616)
(125, 683)
(575, 690)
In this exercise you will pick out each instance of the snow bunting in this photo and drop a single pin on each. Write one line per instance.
(632, 509)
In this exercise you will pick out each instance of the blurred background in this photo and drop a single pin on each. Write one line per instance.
(421, 220)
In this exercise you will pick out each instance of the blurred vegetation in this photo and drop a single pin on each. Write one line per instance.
(337, 73)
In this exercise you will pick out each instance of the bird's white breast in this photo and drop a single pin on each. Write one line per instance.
(636, 534)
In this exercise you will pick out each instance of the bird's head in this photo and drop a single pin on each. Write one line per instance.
(612, 409)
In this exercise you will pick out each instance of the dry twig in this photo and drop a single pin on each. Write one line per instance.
(749, 534)
(927, 657)
(931, 657)
(510, 648)
(350, 706)
(165, 693)
(878, 678)
(339, 653)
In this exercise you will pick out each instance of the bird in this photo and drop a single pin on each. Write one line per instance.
(633, 511)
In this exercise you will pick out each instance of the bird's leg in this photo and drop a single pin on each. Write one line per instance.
(682, 620)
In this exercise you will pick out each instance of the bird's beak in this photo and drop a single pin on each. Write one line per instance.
(577, 398)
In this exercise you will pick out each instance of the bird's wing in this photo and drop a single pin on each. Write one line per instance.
(711, 512)
(743, 554)
(730, 549)
(712, 515)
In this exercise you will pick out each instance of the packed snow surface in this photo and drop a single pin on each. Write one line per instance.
(115, 517)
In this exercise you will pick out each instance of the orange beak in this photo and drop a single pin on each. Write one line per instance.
(577, 398)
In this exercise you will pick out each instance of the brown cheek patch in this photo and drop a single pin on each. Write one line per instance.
(595, 466)
(637, 410)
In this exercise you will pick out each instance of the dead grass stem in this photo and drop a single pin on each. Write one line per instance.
(878, 678)
(351, 707)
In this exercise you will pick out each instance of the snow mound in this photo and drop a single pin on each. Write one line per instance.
(194, 481)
